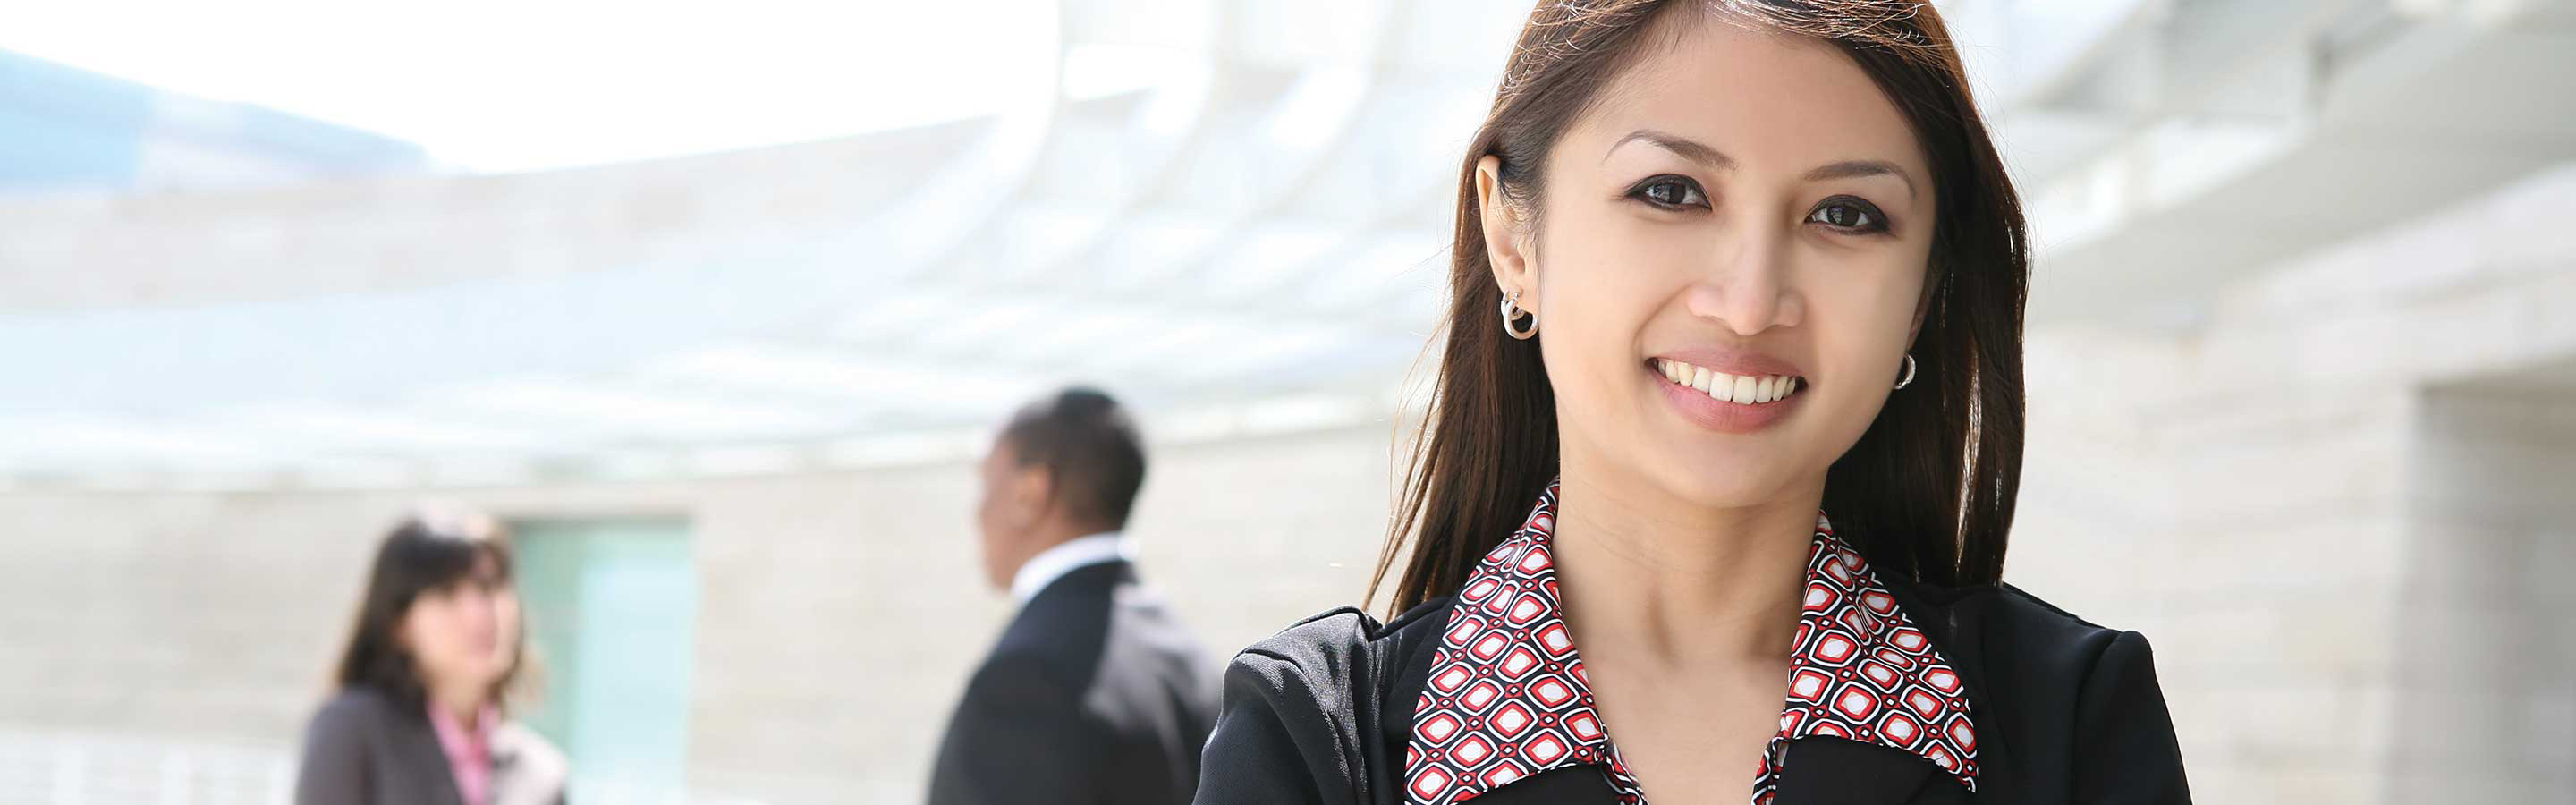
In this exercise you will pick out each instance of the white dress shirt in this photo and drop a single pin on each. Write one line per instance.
(1074, 554)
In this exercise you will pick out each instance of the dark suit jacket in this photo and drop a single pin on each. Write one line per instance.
(2066, 712)
(1094, 695)
(364, 749)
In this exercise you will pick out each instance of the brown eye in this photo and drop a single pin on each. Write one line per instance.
(1849, 214)
(1670, 191)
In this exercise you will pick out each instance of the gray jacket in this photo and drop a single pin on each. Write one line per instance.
(363, 749)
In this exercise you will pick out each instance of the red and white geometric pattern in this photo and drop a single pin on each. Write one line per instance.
(1861, 671)
(1507, 698)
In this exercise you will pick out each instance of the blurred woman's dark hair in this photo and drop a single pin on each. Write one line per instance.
(427, 551)
(1927, 492)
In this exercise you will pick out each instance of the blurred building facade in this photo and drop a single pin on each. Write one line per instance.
(2302, 408)
(64, 129)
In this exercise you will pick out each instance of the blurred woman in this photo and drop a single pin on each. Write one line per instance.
(419, 718)
(1721, 268)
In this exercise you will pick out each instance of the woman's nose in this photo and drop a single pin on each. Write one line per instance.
(1745, 284)
(479, 602)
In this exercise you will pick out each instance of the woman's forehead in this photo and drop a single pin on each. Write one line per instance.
(1760, 96)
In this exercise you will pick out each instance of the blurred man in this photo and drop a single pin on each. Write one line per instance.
(1095, 692)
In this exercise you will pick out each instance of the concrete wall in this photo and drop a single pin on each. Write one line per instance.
(2485, 698)
(839, 614)
(2336, 507)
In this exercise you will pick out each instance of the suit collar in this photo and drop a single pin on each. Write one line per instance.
(1093, 579)
(1053, 563)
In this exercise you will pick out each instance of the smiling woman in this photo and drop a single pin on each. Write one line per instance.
(1747, 429)
(419, 714)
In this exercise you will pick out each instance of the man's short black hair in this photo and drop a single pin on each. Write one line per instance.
(1091, 451)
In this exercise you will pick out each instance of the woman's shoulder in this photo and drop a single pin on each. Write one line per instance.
(1314, 714)
(2047, 660)
(2009, 625)
(1341, 661)
(1344, 636)
(355, 707)
(2076, 694)
(354, 722)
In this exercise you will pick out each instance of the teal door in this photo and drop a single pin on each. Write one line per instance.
(611, 607)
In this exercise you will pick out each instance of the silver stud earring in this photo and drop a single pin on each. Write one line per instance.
(1909, 371)
(1511, 318)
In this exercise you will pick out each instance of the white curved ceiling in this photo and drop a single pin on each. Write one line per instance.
(1231, 213)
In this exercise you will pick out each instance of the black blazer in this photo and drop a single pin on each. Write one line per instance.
(365, 749)
(1095, 694)
(2066, 712)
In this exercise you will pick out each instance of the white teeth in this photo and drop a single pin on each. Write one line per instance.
(1740, 389)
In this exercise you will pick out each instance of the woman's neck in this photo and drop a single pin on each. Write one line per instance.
(464, 704)
(1655, 579)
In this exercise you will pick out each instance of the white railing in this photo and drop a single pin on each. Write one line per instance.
(55, 769)
(40, 768)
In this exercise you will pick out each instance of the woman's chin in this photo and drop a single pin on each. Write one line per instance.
(1729, 482)
(481, 672)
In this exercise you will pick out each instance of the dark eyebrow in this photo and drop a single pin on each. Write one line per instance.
(1683, 147)
(1699, 152)
(1862, 167)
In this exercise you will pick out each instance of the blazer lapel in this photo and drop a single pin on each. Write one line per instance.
(1951, 619)
(418, 745)
(1824, 770)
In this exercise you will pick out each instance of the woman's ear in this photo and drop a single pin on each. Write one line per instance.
(1501, 222)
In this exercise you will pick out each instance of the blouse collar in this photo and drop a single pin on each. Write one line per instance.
(1506, 697)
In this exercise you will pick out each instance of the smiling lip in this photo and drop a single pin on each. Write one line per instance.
(1743, 392)
(1732, 361)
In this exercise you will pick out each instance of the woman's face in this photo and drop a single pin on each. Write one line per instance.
(464, 635)
(1743, 203)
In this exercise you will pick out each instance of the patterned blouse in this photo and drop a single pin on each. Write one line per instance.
(1506, 697)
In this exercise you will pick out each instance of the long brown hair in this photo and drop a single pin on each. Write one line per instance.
(1926, 493)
